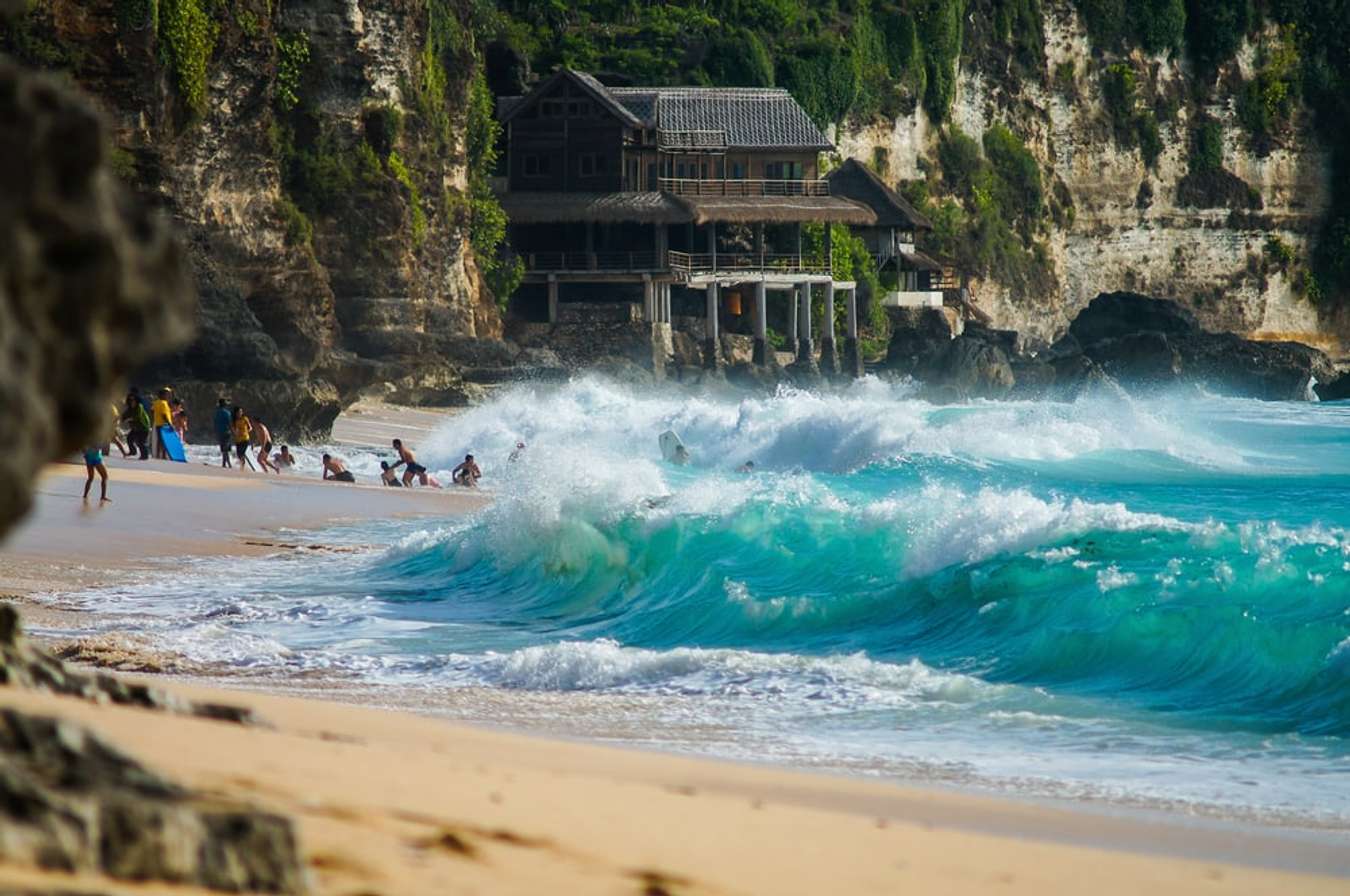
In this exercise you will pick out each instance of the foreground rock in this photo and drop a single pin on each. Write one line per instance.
(71, 802)
(88, 280)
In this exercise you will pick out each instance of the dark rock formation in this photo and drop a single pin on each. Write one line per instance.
(1120, 339)
(89, 281)
(1144, 342)
(970, 367)
(70, 802)
(1335, 389)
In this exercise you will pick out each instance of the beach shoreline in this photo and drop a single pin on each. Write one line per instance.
(853, 820)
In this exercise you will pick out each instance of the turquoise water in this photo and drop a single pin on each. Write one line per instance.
(1141, 601)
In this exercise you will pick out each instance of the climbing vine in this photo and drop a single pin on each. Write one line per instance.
(187, 36)
(292, 57)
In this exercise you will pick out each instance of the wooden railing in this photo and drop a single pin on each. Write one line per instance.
(730, 262)
(624, 262)
(694, 186)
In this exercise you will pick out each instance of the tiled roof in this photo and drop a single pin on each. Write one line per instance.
(750, 117)
(711, 117)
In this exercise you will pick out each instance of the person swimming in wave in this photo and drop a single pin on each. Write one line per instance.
(335, 470)
(682, 456)
(747, 467)
(515, 455)
(466, 474)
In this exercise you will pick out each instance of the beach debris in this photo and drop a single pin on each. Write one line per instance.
(71, 802)
(24, 664)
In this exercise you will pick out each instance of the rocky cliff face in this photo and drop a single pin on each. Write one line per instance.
(319, 198)
(1134, 226)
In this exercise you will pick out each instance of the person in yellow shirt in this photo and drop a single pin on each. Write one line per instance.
(161, 415)
(242, 429)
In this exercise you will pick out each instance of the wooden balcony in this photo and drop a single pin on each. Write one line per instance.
(612, 262)
(729, 262)
(690, 186)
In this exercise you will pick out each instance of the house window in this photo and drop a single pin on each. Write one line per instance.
(535, 166)
(737, 171)
(679, 169)
(783, 171)
(590, 164)
(553, 108)
(703, 171)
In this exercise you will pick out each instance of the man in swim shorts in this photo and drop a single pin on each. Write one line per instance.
(335, 470)
(411, 468)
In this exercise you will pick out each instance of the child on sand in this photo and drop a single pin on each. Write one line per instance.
(93, 463)
(180, 421)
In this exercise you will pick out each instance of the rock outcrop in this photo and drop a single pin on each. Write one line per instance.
(1121, 340)
(323, 208)
(88, 279)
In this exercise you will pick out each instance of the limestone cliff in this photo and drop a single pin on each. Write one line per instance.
(1133, 225)
(312, 152)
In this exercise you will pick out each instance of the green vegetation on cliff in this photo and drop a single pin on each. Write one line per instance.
(845, 59)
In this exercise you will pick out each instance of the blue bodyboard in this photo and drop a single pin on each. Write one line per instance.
(173, 446)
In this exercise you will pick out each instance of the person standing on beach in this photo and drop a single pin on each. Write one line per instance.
(336, 470)
(137, 422)
(116, 438)
(224, 423)
(180, 420)
(163, 416)
(242, 430)
(263, 438)
(411, 467)
(93, 463)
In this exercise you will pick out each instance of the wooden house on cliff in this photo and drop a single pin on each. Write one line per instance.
(642, 195)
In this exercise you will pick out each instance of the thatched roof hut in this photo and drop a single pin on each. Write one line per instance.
(854, 180)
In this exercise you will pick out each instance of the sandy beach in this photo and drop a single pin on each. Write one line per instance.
(396, 803)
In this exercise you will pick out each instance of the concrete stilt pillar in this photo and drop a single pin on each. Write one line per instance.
(648, 299)
(553, 298)
(853, 363)
(793, 307)
(761, 350)
(829, 351)
(806, 347)
(712, 354)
